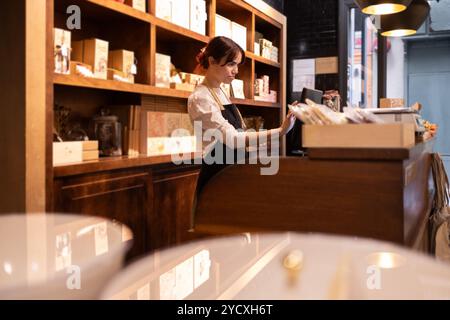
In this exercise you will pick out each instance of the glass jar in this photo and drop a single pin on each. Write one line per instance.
(108, 132)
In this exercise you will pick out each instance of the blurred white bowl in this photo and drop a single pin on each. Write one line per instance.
(282, 266)
(59, 256)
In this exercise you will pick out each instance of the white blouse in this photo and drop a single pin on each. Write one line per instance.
(202, 107)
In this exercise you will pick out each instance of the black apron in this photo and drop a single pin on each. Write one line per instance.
(231, 114)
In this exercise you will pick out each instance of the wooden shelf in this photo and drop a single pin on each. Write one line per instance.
(77, 81)
(254, 103)
(180, 31)
(97, 8)
(114, 163)
(262, 60)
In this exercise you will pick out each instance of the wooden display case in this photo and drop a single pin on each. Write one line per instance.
(145, 34)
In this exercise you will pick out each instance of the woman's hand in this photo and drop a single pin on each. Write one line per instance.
(288, 123)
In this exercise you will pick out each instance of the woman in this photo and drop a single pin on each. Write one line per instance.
(211, 107)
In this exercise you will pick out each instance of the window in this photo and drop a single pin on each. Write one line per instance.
(362, 66)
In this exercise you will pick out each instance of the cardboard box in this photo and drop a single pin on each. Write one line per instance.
(198, 16)
(183, 86)
(391, 103)
(239, 35)
(162, 70)
(137, 4)
(122, 60)
(90, 155)
(95, 53)
(77, 51)
(181, 13)
(359, 136)
(327, 65)
(164, 9)
(223, 26)
(90, 145)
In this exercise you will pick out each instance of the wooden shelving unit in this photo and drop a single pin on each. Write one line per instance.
(145, 34)
(150, 194)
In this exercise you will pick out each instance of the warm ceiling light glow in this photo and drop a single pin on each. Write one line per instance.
(385, 8)
(407, 22)
(399, 33)
(382, 7)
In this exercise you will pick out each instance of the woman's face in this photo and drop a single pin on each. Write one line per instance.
(225, 73)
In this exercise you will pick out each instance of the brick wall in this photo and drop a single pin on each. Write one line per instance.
(312, 32)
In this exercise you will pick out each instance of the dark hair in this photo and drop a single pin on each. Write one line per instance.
(219, 48)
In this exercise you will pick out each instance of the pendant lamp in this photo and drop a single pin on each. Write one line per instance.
(406, 22)
(382, 7)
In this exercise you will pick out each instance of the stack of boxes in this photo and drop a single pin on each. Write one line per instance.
(262, 90)
(74, 151)
(265, 48)
(230, 29)
(189, 14)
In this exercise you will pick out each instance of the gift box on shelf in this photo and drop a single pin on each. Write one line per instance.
(74, 151)
(162, 70)
(223, 26)
(164, 9)
(62, 43)
(198, 16)
(239, 35)
(122, 60)
(93, 52)
(181, 13)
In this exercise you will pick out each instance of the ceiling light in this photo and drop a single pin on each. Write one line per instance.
(406, 22)
(382, 7)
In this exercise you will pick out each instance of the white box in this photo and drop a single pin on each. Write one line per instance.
(223, 26)
(180, 12)
(162, 70)
(359, 136)
(164, 9)
(156, 146)
(257, 49)
(239, 35)
(198, 16)
(237, 87)
(67, 152)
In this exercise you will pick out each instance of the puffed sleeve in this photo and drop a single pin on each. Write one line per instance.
(204, 109)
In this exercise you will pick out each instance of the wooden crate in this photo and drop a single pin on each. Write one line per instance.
(398, 135)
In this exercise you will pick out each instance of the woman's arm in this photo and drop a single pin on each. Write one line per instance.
(204, 111)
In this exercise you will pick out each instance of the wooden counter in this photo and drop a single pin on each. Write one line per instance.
(377, 193)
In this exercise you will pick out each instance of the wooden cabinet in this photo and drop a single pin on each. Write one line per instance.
(125, 196)
(174, 192)
(155, 202)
